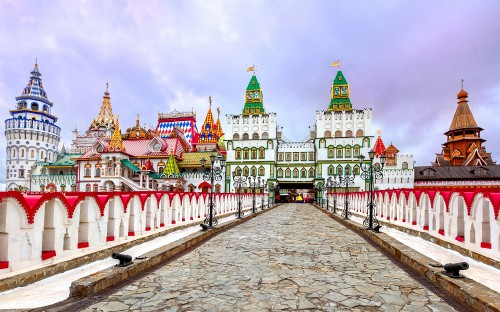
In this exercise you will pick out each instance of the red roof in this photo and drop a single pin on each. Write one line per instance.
(379, 147)
(142, 148)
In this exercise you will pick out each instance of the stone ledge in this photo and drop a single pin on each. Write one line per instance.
(31, 276)
(473, 294)
(440, 242)
(91, 285)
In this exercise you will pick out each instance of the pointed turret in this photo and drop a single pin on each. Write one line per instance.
(105, 119)
(339, 93)
(253, 98)
(116, 143)
(464, 143)
(171, 166)
(379, 147)
(208, 130)
(218, 127)
(35, 89)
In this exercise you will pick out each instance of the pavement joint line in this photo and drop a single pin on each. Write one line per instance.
(89, 290)
(472, 294)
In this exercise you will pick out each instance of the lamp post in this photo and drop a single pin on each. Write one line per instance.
(263, 188)
(347, 181)
(335, 183)
(253, 183)
(328, 185)
(239, 182)
(318, 189)
(371, 172)
(212, 174)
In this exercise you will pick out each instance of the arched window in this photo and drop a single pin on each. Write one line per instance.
(87, 170)
(22, 152)
(295, 173)
(348, 133)
(311, 173)
(97, 172)
(87, 188)
(340, 171)
(42, 155)
(32, 154)
(191, 188)
(254, 153)
(46, 108)
(245, 171)
(331, 152)
(96, 188)
(238, 153)
(237, 171)
(359, 133)
(13, 153)
(404, 165)
(261, 171)
(356, 151)
(236, 137)
(265, 135)
(280, 173)
(217, 188)
(262, 153)
(34, 106)
(328, 134)
(253, 171)
(348, 152)
(303, 173)
(245, 153)
(331, 170)
(338, 134)
(339, 152)
(356, 170)
(245, 136)
(288, 173)
(255, 136)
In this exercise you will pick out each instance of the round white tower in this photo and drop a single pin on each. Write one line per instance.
(31, 133)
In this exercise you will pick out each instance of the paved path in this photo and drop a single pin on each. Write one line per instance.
(291, 258)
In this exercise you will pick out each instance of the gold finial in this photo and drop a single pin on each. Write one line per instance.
(379, 132)
(210, 100)
(218, 112)
(137, 121)
(107, 86)
(462, 83)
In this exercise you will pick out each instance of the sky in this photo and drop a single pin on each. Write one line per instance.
(403, 59)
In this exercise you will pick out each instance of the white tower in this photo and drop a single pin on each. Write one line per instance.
(31, 134)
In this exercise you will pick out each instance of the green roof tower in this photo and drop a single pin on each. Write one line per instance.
(340, 94)
(253, 98)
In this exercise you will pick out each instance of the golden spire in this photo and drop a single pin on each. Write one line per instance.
(116, 143)
(105, 118)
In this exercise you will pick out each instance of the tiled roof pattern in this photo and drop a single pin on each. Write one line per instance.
(65, 161)
(193, 159)
(457, 173)
(463, 117)
(164, 128)
(379, 147)
(171, 166)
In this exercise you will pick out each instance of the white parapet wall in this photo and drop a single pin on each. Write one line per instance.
(40, 228)
(466, 217)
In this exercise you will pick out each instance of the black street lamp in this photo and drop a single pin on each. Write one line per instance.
(212, 174)
(318, 190)
(336, 184)
(263, 188)
(253, 184)
(239, 182)
(371, 172)
(347, 181)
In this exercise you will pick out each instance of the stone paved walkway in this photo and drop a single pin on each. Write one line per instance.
(291, 258)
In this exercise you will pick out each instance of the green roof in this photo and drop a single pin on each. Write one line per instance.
(339, 79)
(171, 166)
(65, 161)
(130, 165)
(253, 84)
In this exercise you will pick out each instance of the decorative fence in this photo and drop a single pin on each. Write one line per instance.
(36, 228)
(467, 217)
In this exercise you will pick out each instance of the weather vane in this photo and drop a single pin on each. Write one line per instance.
(337, 64)
(252, 68)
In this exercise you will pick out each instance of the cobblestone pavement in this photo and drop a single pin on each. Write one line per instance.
(291, 258)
